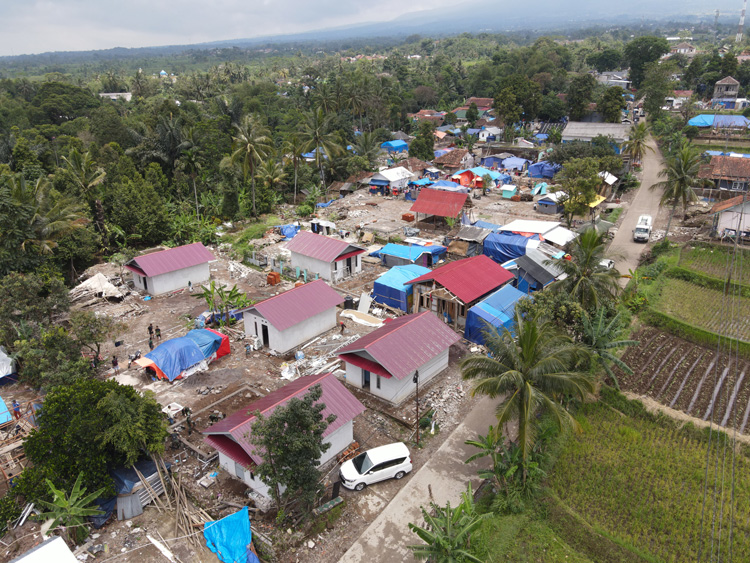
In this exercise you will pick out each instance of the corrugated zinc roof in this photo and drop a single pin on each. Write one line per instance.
(173, 259)
(405, 344)
(296, 305)
(470, 278)
(439, 202)
(337, 399)
(319, 247)
(728, 204)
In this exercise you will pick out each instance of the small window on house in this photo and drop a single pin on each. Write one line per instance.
(335, 265)
(377, 382)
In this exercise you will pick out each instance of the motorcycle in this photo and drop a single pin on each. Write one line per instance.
(133, 357)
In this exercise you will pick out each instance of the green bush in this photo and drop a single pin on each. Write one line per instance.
(305, 210)
(9, 510)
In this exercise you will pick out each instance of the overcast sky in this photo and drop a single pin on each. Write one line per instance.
(37, 26)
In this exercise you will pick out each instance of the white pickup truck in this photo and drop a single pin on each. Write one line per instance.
(642, 231)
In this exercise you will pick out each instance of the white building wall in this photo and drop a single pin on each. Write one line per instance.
(394, 390)
(339, 268)
(323, 269)
(178, 279)
(283, 341)
(730, 218)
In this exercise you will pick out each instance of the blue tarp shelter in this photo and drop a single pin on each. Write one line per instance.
(731, 121)
(448, 186)
(502, 247)
(495, 161)
(230, 538)
(393, 287)
(174, 356)
(326, 204)
(5, 415)
(541, 136)
(486, 225)
(497, 310)
(288, 230)
(544, 169)
(311, 154)
(441, 152)
(703, 120)
(515, 163)
(421, 182)
(539, 189)
(398, 254)
(206, 340)
(395, 146)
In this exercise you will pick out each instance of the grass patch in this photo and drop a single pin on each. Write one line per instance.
(241, 240)
(614, 215)
(714, 259)
(636, 484)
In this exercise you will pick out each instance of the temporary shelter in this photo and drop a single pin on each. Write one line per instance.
(398, 254)
(181, 357)
(7, 366)
(497, 311)
(233, 436)
(439, 203)
(534, 273)
(132, 494)
(540, 189)
(515, 163)
(385, 361)
(448, 186)
(509, 191)
(506, 246)
(393, 287)
(468, 241)
(549, 204)
(493, 161)
(395, 146)
(544, 169)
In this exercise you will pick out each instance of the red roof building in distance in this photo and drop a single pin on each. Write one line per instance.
(453, 159)
(290, 319)
(330, 258)
(171, 269)
(233, 436)
(467, 280)
(439, 202)
(485, 103)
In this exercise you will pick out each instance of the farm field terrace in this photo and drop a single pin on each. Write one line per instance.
(713, 260)
(640, 481)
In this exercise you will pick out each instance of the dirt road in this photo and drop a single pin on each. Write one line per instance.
(623, 249)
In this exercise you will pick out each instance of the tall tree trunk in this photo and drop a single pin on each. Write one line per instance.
(252, 184)
(669, 223)
(195, 191)
(295, 182)
(99, 214)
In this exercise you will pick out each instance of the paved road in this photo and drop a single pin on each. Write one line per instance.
(623, 249)
(445, 477)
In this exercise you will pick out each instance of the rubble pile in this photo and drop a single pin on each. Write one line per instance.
(446, 401)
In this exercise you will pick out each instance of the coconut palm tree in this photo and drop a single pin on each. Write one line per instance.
(534, 370)
(272, 175)
(588, 280)
(367, 147)
(602, 336)
(637, 146)
(293, 149)
(190, 162)
(88, 177)
(316, 137)
(250, 146)
(681, 175)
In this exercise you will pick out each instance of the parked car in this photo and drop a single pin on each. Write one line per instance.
(607, 263)
(386, 462)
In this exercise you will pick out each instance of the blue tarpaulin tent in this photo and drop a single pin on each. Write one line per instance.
(486, 225)
(731, 121)
(398, 254)
(174, 356)
(5, 413)
(502, 247)
(421, 182)
(492, 161)
(540, 189)
(496, 310)
(703, 120)
(515, 163)
(393, 287)
(230, 538)
(395, 146)
(288, 230)
(544, 169)
(206, 340)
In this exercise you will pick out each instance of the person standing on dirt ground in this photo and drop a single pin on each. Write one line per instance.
(16, 410)
(343, 326)
(158, 333)
(190, 286)
(151, 343)
(150, 330)
(115, 365)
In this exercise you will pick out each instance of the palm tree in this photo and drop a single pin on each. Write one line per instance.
(190, 162)
(293, 149)
(588, 280)
(447, 532)
(637, 145)
(316, 137)
(250, 146)
(681, 176)
(272, 175)
(602, 337)
(88, 177)
(367, 147)
(534, 370)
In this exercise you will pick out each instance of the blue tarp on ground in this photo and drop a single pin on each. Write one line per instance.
(395, 146)
(731, 121)
(230, 538)
(175, 356)
(206, 340)
(289, 231)
(515, 163)
(703, 120)
(544, 169)
(325, 204)
(496, 310)
(393, 287)
(502, 247)
(412, 252)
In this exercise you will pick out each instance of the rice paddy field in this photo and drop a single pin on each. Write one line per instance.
(713, 260)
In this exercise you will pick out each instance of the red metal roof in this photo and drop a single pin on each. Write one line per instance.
(171, 260)
(367, 364)
(439, 202)
(320, 247)
(230, 448)
(337, 399)
(728, 204)
(470, 278)
(298, 304)
(404, 344)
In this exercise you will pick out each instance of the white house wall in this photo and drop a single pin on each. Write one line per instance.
(171, 281)
(323, 269)
(730, 218)
(283, 341)
(394, 390)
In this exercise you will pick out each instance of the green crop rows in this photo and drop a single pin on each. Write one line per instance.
(714, 261)
(642, 484)
(705, 308)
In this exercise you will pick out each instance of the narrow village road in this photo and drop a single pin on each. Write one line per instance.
(443, 478)
(623, 249)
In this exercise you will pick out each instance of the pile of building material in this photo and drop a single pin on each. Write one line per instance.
(93, 289)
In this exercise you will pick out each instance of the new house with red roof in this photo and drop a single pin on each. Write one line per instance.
(450, 290)
(171, 269)
(293, 317)
(330, 258)
(233, 436)
(384, 362)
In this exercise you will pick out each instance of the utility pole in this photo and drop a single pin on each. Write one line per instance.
(416, 402)
(738, 38)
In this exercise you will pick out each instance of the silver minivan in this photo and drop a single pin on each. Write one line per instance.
(386, 462)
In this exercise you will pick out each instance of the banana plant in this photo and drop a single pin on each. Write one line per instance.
(70, 512)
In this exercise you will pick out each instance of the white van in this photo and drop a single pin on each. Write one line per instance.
(642, 231)
(386, 462)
